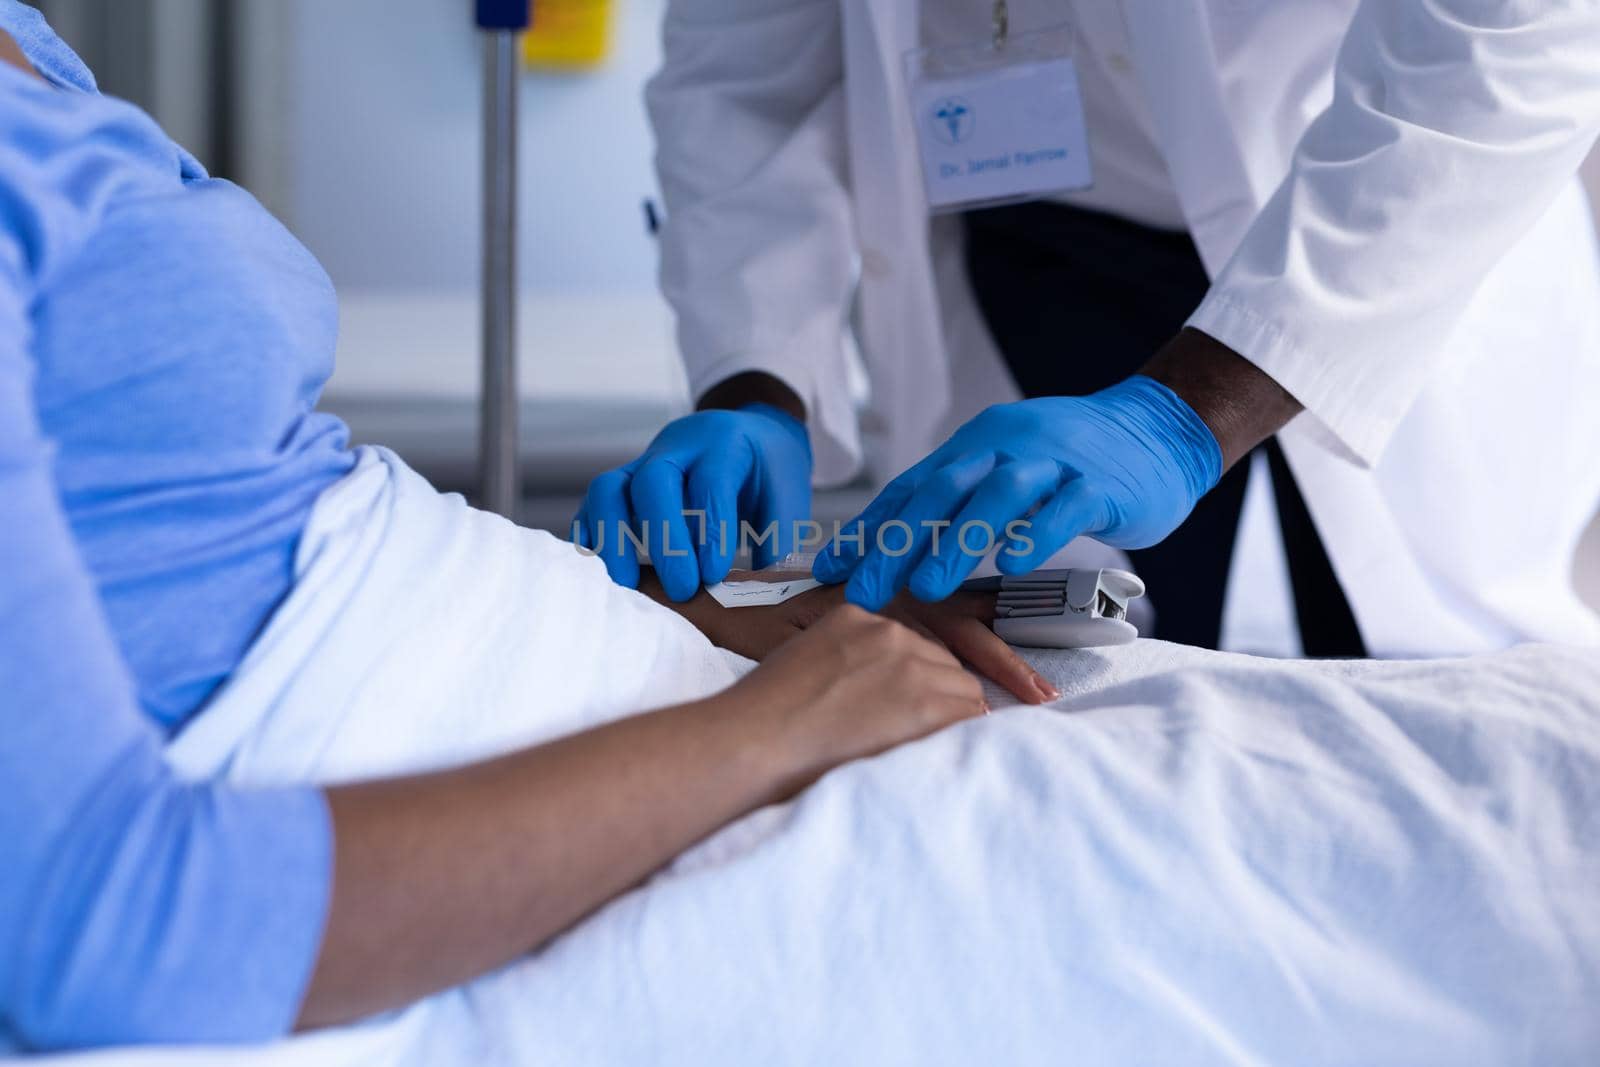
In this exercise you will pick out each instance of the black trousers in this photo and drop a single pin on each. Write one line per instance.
(1079, 300)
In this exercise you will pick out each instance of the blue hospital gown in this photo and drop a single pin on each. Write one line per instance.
(163, 342)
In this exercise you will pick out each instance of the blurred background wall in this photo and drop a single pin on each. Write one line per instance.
(357, 123)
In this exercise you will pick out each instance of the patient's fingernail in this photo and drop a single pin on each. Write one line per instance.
(1046, 690)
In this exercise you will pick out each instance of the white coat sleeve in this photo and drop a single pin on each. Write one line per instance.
(1454, 126)
(758, 252)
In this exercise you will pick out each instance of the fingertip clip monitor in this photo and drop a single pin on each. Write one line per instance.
(1077, 608)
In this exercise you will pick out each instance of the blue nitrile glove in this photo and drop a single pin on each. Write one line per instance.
(1125, 465)
(752, 465)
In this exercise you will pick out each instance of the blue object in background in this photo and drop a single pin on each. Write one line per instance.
(504, 14)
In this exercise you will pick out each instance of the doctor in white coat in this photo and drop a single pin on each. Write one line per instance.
(1399, 285)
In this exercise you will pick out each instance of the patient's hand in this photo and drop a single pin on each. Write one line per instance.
(961, 624)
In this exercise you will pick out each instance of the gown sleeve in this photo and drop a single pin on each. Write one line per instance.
(134, 906)
(1455, 125)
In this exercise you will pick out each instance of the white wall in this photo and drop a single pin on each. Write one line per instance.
(384, 128)
(364, 136)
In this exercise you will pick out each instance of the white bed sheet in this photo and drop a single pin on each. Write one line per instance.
(1192, 858)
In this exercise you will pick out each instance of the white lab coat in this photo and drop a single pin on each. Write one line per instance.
(1383, 192)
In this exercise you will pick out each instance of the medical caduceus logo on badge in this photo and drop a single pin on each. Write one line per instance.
(952, 120)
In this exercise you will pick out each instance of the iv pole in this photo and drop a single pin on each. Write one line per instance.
(502, 23)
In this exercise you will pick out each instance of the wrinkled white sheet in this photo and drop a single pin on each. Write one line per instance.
(1193, 858)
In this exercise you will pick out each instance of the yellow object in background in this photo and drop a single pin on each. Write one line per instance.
(568, 34)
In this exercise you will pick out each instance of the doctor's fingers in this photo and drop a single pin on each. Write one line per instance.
(1009, 492)
(922, 526)
(782, 503)
(716, 484)
(1079, 508)
(600, 522)
(838, 561)
(656, 492)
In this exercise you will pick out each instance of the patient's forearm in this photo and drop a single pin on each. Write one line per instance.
(440, 878)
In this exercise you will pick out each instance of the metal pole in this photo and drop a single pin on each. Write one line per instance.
(502, 24)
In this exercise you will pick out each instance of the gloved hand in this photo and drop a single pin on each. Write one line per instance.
(1125, 465)
(752, 464)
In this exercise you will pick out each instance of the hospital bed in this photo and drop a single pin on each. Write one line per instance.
(1190, 858)
(1266, 864)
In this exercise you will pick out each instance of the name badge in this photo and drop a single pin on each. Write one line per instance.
(999, 122)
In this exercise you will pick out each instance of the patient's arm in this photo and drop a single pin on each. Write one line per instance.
(961, 623)
(442, 877)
